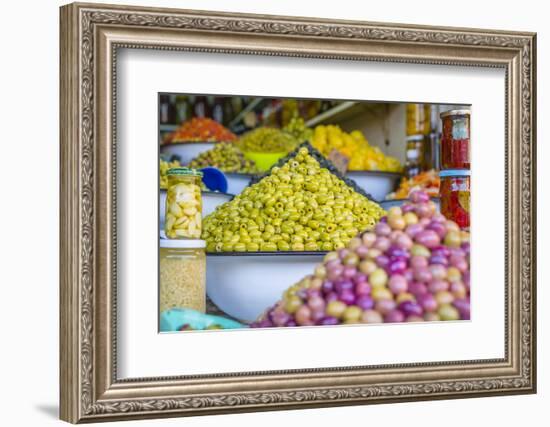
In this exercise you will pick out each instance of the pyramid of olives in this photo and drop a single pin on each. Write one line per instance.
(300, 205)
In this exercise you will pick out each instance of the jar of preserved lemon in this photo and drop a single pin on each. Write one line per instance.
(183, 218)
(182, 268)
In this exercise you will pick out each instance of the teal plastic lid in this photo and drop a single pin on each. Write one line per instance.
(454, 173)
(183, 171)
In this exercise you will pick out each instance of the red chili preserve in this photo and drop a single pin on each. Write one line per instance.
(455, 139)
(454, 192)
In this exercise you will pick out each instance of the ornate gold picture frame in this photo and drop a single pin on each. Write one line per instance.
(90, 37)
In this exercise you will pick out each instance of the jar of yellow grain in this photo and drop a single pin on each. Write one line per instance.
(182, 268)
(183, 218)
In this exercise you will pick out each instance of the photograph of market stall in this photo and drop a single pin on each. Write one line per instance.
(278, 212)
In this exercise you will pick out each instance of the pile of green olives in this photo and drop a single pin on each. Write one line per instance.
(297, 127)
(299, 206)
(225, 156)
(267, 140)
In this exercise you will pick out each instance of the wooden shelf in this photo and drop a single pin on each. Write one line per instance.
(347, 110)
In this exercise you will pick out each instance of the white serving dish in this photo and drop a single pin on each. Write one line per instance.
(237, 182)
(377, 184)
(210, 201)
(186, 151)
(244, 285)
(387, 204)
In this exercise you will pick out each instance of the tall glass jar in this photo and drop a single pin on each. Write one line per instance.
(182, 269)
(183, 218)
(414, 155)
(455, 139)
(418, 119)
(454, 192)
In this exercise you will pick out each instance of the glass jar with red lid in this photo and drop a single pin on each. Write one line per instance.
(455, 139)
(454, 192)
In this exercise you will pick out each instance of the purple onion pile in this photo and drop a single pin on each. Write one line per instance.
(413, 267)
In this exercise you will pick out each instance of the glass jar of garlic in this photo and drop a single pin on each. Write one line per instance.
(183, 219)
(182, 271)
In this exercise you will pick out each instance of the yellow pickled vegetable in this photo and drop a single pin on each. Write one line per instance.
(183, 206)
(354, 145)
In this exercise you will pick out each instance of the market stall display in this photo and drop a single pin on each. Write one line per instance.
(300, 205)
(225, 156)
(354, 145)
(414, 266)
(306, 200)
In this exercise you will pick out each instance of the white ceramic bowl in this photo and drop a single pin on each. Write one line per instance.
(237, 182)
(387, 204)
(244, 285)
(210, 201)
(377, 184)
(186, 151)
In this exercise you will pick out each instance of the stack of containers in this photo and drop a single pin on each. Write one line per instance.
(455, 167)
(422, 153)
(182, 252)
(418, 126)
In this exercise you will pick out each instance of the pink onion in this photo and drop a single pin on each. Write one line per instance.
(382, 244)
(397, 266)
(417, 288)
(413, 229)
(365, 302)
(398, 283)
(363, 288)
(347, 297)
(384, 306)
(437, 285)
(428, 302)
(428, 238)
(382, 229)
(410, 308)
(418, 262)
(419, 197)
(394, 316)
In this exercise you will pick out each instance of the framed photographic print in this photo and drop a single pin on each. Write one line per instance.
(266, 212)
